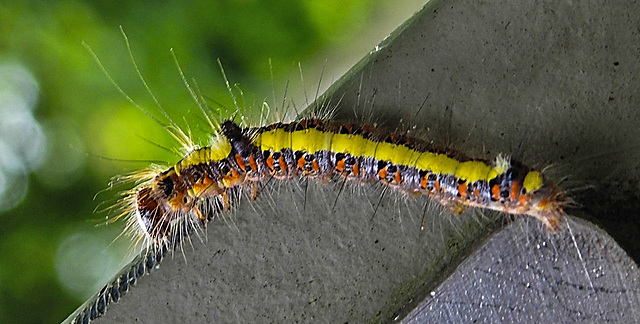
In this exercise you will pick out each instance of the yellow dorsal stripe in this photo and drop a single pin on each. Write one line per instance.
(219, 150)
(313, 140)
(474, 171)
(533, 181)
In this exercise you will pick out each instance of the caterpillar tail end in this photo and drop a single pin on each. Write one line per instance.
(551, 221)
(550, 209)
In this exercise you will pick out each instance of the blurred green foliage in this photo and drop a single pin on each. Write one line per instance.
(53, 251)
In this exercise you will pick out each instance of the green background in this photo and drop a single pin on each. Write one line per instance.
(69, 130)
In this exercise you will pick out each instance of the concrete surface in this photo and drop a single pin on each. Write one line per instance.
(579, 275)
(550, 82)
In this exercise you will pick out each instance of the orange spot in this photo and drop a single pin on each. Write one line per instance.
(232, 178)
(225, 201)
(515, 189)
(201, 187)
(199, 213)
(316, 167)
(240, 162)
(206, 181)
(477, 193)
(356, 169)
(301, 163)
(198, 188)
(176, 202)
(543, 203)
(437, 185)
(522, 200)
(398, 177)
(495, 192)
(283, 163)
(423, 182)
(270, 162)
(462, 189)
(252, 162)
(383, 173)
(340, 165)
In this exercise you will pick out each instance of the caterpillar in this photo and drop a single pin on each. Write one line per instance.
(170, 202)
(205, 182)
(166, 221)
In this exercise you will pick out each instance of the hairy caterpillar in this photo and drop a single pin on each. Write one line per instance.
(523, 98)
(170, 202)
(202, 184)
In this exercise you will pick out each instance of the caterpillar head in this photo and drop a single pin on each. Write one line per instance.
(164, 209)
(152, 215)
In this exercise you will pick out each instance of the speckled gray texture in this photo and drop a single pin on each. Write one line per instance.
(525, 275)
(547, 81)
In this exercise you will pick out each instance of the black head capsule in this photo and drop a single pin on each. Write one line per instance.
(241, 144)
(150, 215)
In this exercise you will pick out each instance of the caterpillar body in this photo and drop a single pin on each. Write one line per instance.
(206, 181)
